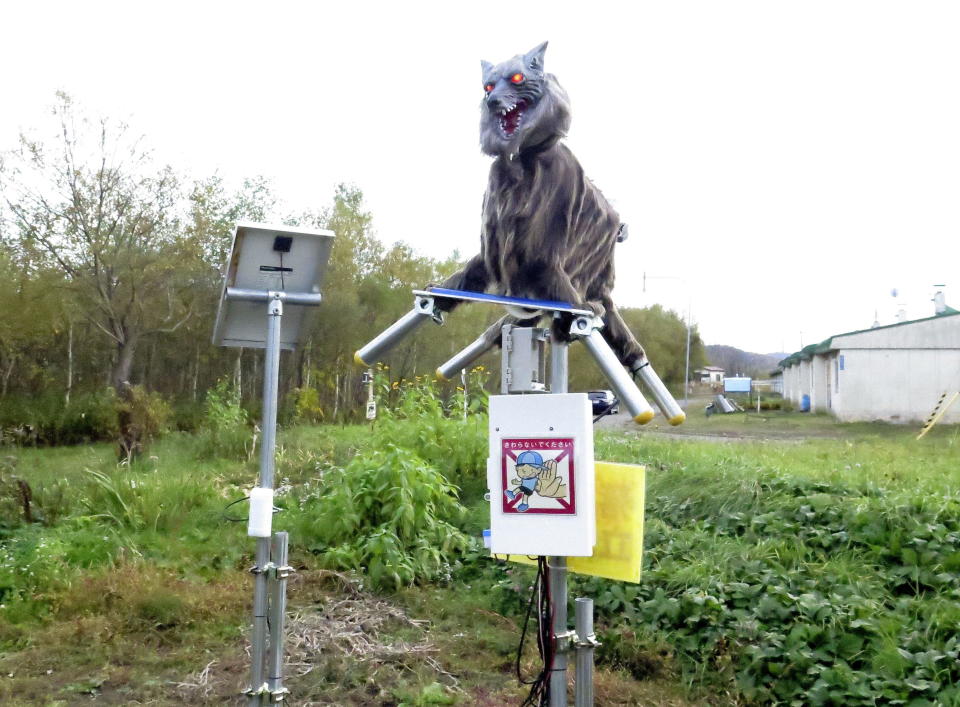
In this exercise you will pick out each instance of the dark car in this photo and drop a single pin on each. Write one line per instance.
(603, 401)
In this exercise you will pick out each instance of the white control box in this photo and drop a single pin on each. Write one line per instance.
(540, 475)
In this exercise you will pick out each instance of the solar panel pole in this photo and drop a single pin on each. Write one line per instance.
(255, 275)
(557, 566)
(261, 570)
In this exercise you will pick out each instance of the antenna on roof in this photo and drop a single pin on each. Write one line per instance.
(939, 301)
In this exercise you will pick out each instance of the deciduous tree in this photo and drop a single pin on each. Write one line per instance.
(92, 204)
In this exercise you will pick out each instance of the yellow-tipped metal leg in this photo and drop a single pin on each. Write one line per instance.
(668, 406)
(616, 374)
(464, 357)
(423, 311)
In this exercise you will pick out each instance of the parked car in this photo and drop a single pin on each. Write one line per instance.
(603, 401)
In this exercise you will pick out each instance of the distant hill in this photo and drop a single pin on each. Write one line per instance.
(735, 361)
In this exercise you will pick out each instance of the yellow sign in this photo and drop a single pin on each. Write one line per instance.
(618, 553)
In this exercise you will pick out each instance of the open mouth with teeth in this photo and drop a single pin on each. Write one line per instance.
(511, 118)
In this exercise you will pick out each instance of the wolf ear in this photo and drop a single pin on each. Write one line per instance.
(534, 57)
(485, 66)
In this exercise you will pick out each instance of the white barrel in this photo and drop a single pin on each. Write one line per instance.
(260, 524)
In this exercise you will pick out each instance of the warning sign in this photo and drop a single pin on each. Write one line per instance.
(538, 476)
(618, 553)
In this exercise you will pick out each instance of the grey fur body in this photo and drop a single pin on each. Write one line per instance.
(547, 231)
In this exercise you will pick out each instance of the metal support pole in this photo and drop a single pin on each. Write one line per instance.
(278, 609)
(271, 374)
(686, 374)
(586, 642)
(558, 365)
(557, 566)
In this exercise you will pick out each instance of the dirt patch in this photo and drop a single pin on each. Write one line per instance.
(342, 645)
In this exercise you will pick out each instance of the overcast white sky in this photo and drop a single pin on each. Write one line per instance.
(791, 162)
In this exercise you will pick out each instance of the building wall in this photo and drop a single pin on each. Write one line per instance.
(805, 381)
(819, 383)
(896, 385)
(791, 384)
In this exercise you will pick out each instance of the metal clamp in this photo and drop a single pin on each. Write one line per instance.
(274, 571)
(584, 326)
(277, 696)
(427, 305)
(283, 572)
(589, 642)
(266, 569)
(565, 642)
(262, 691)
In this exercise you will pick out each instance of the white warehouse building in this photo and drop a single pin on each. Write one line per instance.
(894, 373)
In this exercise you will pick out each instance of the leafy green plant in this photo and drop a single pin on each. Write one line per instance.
(432, 694)
(307, 406)
(437, 433)
(387, 513)
(768, 571)
(141, 416)
(226, 430)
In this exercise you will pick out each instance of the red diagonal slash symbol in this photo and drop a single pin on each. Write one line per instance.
(511, 455)
(564, 504)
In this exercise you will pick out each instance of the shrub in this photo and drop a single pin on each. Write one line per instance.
(141, 416)
(226, 429)
(22, 502)
(46, 420)
(307, 405)
(438, 434)
(189, 415)
(389, 514)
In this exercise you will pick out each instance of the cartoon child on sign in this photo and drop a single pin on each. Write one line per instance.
(536, 476)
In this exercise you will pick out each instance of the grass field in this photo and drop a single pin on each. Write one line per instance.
(821, 567)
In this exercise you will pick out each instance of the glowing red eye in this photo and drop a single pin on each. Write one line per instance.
(488, 87)
(516, 78)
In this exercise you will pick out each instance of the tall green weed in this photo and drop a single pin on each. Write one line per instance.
(226, 430)
(389, 514)
(436, 430)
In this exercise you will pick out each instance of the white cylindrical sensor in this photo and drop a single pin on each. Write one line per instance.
(261, 513)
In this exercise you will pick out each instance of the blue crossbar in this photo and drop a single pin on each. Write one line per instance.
(468, 296)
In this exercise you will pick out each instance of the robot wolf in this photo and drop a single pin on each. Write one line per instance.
(547, 231)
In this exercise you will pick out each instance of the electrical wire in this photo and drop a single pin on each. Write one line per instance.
(608, 411)
(233, 503)
(540, 595)
(233, 519)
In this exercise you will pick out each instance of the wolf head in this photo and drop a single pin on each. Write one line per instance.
(524, 108)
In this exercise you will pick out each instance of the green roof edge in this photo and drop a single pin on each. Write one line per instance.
(807, 352)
